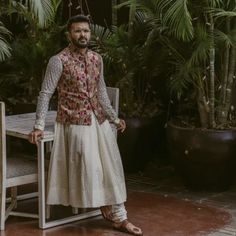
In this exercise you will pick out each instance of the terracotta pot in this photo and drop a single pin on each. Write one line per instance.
(204, 158)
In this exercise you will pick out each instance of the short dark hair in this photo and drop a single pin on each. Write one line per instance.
(76, 19)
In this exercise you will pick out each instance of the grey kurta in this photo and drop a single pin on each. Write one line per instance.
(85, 166)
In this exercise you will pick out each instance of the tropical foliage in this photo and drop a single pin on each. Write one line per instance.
(31, 48)
(5, 50)
(200, 38)
(41, 12)
(131, 64)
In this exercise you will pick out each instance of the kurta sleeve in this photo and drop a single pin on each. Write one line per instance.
(52, 76)
(104, 99)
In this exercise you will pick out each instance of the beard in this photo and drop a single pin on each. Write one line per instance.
(80, 43)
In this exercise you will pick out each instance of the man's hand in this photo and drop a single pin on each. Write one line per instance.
(121, 126)
(35, 135)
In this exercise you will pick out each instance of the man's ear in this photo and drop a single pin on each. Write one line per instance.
(68, 36)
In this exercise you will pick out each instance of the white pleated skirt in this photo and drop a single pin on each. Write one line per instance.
(85, 167)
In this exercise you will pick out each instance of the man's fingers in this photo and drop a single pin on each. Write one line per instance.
(31, 137)
(121, 129)
(122, 126)
(34, 136)
(37, 137)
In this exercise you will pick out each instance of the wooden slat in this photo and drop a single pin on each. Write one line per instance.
(21, 125)
(2, 165)
(70, 219)
(23, 214)
(20, 180)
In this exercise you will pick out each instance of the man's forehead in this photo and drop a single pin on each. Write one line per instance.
(80, 25)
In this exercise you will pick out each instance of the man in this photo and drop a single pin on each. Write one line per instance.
(85, 167)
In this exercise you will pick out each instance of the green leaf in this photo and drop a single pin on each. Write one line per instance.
(5, 49)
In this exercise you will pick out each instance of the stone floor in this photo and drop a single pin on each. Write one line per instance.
(161, 181)
(166, 182)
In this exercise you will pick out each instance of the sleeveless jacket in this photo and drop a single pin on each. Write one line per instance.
(77, 88)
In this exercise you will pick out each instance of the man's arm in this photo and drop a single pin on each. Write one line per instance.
(106, 104)
(52, 76)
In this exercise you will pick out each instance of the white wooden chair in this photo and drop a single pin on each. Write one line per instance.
(14, 171)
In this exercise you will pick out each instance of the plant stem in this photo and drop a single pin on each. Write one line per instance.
(132, 11)
(225, 65)
(202, 108)
(221, 114)
(114, 12)
(212, 76)
(232, 69)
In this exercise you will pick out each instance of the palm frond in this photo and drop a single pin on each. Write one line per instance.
(173, 48)
(148, 6)
(219, 13)
(100, 34)
(228, 39)
(43, 9)
(177, 17)
(186, 75)
(215, 3)
(125, 4)
(230, 4)
(22, 12)
(5, 49)
(201, 45)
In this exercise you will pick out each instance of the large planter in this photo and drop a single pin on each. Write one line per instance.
(140, 142)
(204, 158)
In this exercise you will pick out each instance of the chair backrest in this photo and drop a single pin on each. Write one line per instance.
(2, 143)
(113, 94)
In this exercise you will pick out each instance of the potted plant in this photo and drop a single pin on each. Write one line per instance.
(30, 49)
(5, 50)
(200, 39)
(130, 64)
(21, 73)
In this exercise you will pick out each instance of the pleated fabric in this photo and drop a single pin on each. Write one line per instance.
(85, 167)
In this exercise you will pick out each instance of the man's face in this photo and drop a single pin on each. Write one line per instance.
(79, 34)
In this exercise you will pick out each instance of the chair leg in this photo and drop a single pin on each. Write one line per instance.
(2, 207)
(13, 204)
(49, 147)
(14, 196)
(48, 211)
(75, 210)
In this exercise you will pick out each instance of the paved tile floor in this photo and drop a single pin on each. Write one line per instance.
(162, 181)
(165, 181)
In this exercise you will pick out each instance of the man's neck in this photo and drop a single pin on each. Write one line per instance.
(82, 51)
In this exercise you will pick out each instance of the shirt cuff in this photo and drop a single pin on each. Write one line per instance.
(116, 121)
(39, 125)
